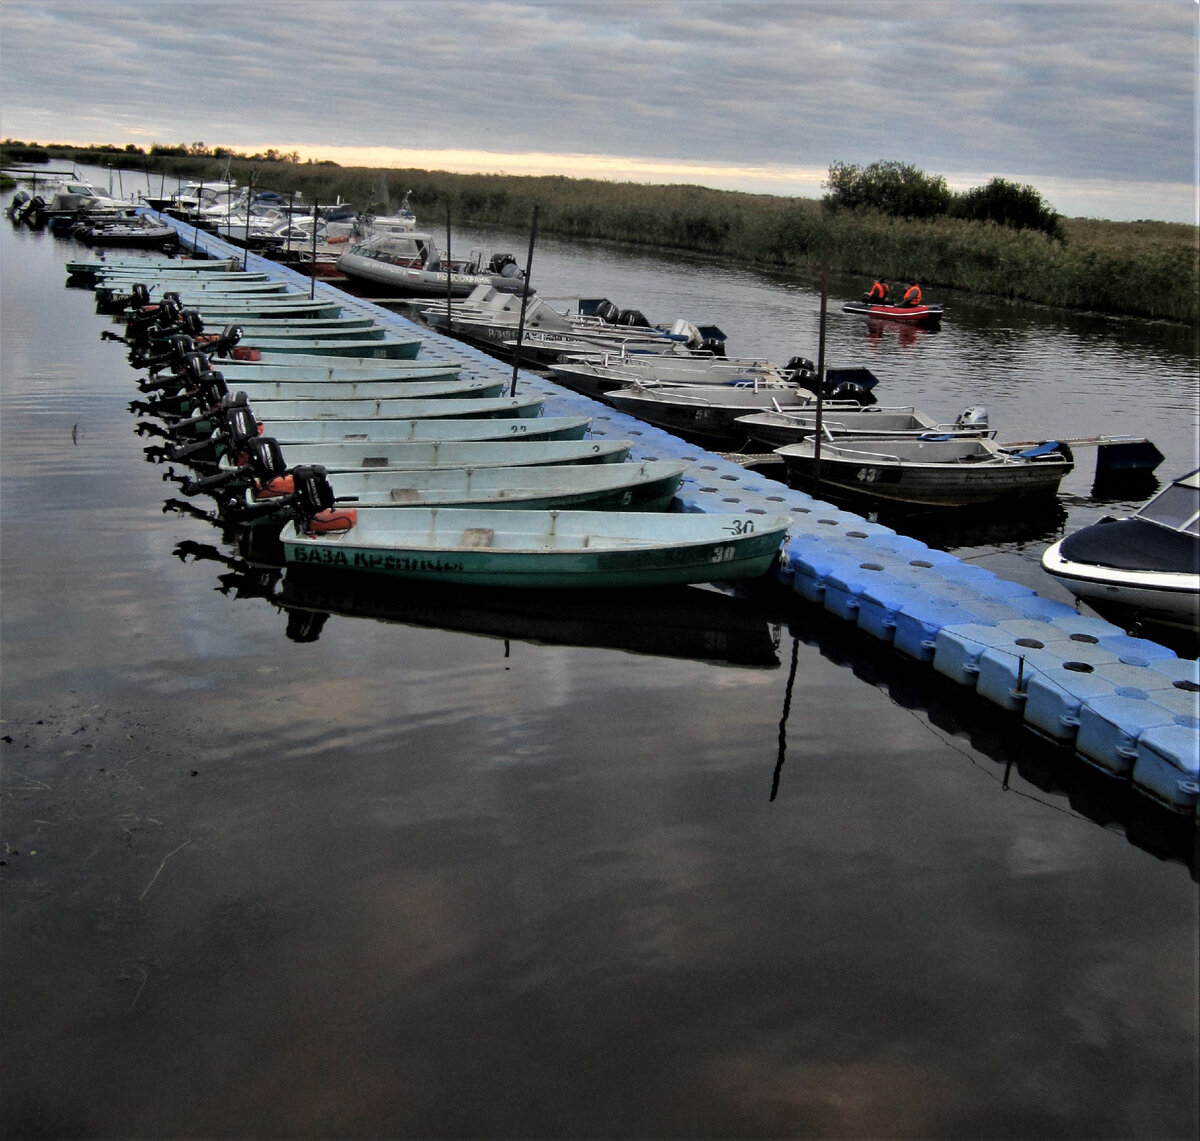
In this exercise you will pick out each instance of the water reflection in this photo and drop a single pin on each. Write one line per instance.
(1024, 764)
(697, 623)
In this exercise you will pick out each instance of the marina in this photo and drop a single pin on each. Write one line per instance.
(843, 696)
(894, 587)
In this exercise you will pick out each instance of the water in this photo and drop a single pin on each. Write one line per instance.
(691, 867)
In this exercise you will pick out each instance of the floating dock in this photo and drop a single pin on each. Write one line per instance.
(1125, 705)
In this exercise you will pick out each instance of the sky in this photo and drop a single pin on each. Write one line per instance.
(1093, 103)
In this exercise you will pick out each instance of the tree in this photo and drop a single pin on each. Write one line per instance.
(894, 188)
(1006, 203)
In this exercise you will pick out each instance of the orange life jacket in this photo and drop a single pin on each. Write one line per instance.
(912, 295)
(878, 292)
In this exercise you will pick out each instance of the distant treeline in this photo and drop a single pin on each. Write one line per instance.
(1144, 269)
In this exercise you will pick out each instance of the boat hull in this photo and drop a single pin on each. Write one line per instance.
(395, 349)
(376, 392)
(931, 474)
(569, 549)
(481, 408)
(649, 485)
(381, 456)
(532, 428)
(927, 315)
(1162, 598)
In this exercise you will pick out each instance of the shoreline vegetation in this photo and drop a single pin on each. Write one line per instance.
(1144, 269)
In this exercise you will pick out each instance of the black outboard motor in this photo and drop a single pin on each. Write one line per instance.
(186, 403)
(632, 317)
(109, 301)
(225, 343)
(230, 428)
(196, 366)
(259, 461)
(312, 494)
(608, 312)
(175, 348)
(802, 371)
(849, 391)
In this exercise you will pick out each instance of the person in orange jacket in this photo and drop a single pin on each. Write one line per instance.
(912, 295)
(879, 293)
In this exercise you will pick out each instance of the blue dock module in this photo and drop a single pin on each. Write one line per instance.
(1126, 706)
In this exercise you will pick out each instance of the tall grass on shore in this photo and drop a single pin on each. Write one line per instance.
(1143, 269)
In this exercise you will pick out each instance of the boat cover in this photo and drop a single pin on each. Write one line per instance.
(1133, 545)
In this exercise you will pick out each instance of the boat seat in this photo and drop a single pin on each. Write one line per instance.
(1040, 450)
(477, 537)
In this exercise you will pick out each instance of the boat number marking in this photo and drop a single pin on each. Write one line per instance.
(867, 475)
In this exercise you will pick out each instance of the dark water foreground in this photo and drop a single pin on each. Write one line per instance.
(688, 866)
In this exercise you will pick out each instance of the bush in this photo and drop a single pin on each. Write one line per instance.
(1006, 203)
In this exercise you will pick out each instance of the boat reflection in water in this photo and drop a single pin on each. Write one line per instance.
(694, 622)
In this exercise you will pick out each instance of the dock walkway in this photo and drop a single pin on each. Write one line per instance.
(1125, 705)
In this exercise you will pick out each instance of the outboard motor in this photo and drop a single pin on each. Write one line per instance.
(224, 344)
(850, 391)
(176, 348)
(108, 301)
(261, 461)
(608, 312)
(802, 371)
(232, 426)
(311, 500)
(195, 368)
(974, 418)
(632, 317)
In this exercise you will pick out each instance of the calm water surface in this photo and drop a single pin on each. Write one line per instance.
(687, 866)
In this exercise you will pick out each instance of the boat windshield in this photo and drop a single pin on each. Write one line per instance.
(1177, 507)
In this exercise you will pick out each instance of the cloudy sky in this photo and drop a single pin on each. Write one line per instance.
(1093, 103)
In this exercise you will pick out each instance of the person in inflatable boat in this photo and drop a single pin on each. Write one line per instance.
(879, 292)
(912, 295)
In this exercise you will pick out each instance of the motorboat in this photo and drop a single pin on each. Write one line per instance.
(597, 374)
(1143, 568)
(535, 549)
(777, 428)
(123, 230)
(491, 319)
(435, 431)
(645, 485)
(708, 413)
(189, 197)
(410, 263)
(929, 316)
(928, 473)
(440, 449)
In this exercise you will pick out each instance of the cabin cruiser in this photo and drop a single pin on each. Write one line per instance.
(1144, 568)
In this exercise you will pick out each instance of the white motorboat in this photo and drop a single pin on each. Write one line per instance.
(491, 319)
(410, 263)
(1144, 568)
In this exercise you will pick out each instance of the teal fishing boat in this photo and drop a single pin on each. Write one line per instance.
(648, 485)
(384, 456)
(525, 549)
(523, 428)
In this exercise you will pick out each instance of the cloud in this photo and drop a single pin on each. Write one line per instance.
(1095, 92)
